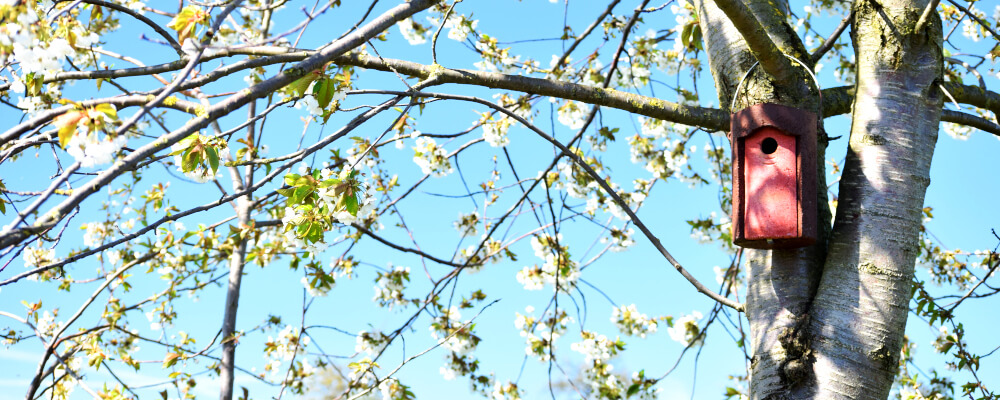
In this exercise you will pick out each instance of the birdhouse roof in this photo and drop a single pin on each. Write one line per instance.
(789, 120)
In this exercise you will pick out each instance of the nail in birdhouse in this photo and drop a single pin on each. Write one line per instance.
(774, 177)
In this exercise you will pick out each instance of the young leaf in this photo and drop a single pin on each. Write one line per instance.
(170, 360)
(324, 90)
(67, 125)
(213, 158)
(186, 21)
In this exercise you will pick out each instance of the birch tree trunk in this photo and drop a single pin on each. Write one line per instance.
(827, 320)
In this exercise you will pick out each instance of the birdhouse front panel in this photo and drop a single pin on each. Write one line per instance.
(771, 185)
(774, 177)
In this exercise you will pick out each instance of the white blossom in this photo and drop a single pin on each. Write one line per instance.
(630, 322)
(90, 150)
(685, 330)
(411, 32)
(38, 256)
(431, 158)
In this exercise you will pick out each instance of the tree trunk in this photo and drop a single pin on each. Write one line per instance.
(860, 311)
(830, 324)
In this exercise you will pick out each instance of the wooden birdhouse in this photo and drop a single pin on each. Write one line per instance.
(774, 177)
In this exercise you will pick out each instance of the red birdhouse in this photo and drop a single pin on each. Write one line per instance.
(774, 177)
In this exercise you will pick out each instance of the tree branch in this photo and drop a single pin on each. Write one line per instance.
(119, 102)
(708, 118)
(313, 62)
(761, 46)
(830, 41)
(159, 30)
(975, 96)
(983, 124)
(604, 185)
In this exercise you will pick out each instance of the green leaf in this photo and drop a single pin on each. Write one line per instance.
(291, 178)
(299, 87)
(324, 90)
(189, 161)
(351, 204)
(213, 158)
(696, 39)
(686, 35)
(327, 183)
(187, 20)
(301, 192)
(632, 390)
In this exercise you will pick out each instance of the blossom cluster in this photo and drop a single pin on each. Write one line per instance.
(317, 281)
(391, 389)
(317, 200)
(506, 391)
(540, 334)
(494, 58)
(197, 157)
(663, 157)
(572, 114)
(431, 158)
(492, 251)
(38, 256)
(630, 322)
(495, 130)
(685, 330)
(449, 330)
(467, 224)
(456, 336)
(284, 349)
(389, 287)
(620, 239)
(631, 199)
(598, 351)
(371, 343)
(558, 269)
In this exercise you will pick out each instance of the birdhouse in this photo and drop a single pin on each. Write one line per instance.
(774, 177)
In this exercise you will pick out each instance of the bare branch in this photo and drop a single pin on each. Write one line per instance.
(604, 185)
(159, 30)
(761, 46)
(708, 118)
(983, 124)
(925, 17)
(828, 44)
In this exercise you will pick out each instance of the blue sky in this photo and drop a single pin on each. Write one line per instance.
(963, 186)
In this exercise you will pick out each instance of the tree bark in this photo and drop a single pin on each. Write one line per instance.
(781, 283)
(859, 314)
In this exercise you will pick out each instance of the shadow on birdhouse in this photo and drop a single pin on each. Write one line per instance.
(774, 177)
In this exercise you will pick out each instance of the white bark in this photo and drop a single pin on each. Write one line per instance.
(860, 311)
